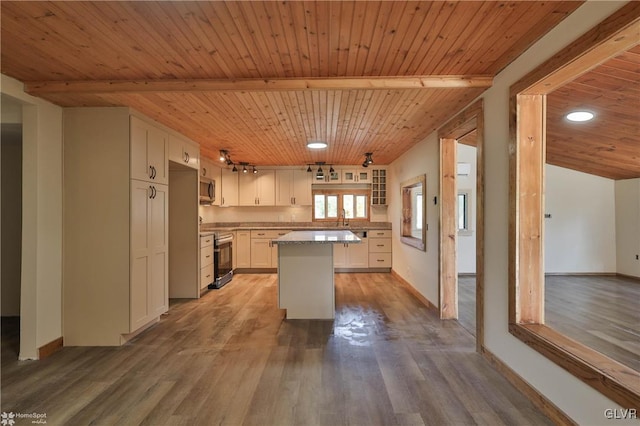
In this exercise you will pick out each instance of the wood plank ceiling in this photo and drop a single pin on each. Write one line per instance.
(608, 145)
(164, 59)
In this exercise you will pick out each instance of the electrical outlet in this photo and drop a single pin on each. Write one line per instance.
(637, 256)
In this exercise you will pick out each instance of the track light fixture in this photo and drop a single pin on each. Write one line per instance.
(309, 168)
(235, 169)
(368, 159)
(254, 170)
(225, 157)
(332, 170)
(320, 172)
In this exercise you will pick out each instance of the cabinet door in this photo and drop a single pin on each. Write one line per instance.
(149, 152)
(234, 251)
(247, 195)
(339, 256)
(358, 255)
(284, 185)
(302, 188)
(363, 176)
(260, 253)
(158, 154)
(243, 251)
(349, 176)
(266, 187)
(140, 254)
(192, 154)
(140, 168)
(159, 244)
(228, 188)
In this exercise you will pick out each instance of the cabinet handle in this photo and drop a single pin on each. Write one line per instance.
(210, 190)
(208, 275)
(186, 157)
(379, 245)
(152, 172)
(222, 201)
(151, 190)
(379, 260)
(260, 234)
(294, 200)
(204, 171)
(207, 241)
(208, 256)
(154, 192)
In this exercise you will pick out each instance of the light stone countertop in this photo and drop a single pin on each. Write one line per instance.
(318, 237)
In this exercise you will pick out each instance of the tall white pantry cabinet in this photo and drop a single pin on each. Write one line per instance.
(116, 227)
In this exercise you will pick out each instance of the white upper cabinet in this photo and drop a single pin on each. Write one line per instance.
(149, 150)
(209, 171)
(228, 188)
(257, 189)
(184, 152)
(356, 176)
(293, 187)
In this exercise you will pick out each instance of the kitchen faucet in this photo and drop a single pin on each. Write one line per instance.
(344, 218)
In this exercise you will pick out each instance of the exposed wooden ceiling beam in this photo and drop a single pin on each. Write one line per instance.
(258, 84)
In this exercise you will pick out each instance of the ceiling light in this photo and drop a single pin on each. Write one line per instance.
(244, 169)
(319, 173)
(224, 155)
(316, 144)
(332, 170)
(579, 116)
(254, 170)
(368, 159)
(309, 168)
(235, 169)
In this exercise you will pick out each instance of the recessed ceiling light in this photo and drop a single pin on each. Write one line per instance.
(316, 144)
(579, 116)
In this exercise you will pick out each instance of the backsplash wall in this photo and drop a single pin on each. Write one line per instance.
(271, 214)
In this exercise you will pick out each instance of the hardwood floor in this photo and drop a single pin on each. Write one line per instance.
(598, 311)
(230, 358)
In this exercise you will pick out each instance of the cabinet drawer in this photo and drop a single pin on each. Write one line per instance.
(380, 233)
(269, 233)
(206, 256)
(206, 241)
(379, 260)
(379, 245)
(206, 276)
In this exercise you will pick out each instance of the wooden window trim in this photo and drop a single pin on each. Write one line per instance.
(340, 193)
(615, 34)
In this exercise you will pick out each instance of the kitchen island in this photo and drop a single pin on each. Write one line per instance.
(306, 286)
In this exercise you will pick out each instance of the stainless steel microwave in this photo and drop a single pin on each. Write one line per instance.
(207, 191)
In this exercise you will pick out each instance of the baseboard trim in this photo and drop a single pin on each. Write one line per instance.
(50, 348)
(580, 274)
(540, 401)
(631, 277)
(414, 292)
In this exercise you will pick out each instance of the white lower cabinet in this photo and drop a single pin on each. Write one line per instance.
(380, 249)
(243, 249)
(206, 261)
(264, 254)
(354, 256)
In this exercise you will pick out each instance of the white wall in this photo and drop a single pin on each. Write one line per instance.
(418, 267)
(628, 226)
(580, 236)
(467, 241)
(41, 292)
(578, 400)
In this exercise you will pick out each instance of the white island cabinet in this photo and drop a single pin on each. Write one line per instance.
(305, 272)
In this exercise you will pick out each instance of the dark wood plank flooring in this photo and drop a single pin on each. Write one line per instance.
(600, 312)
(230, 358)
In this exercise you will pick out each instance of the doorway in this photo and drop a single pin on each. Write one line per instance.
(466, 128)
(11, 218)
